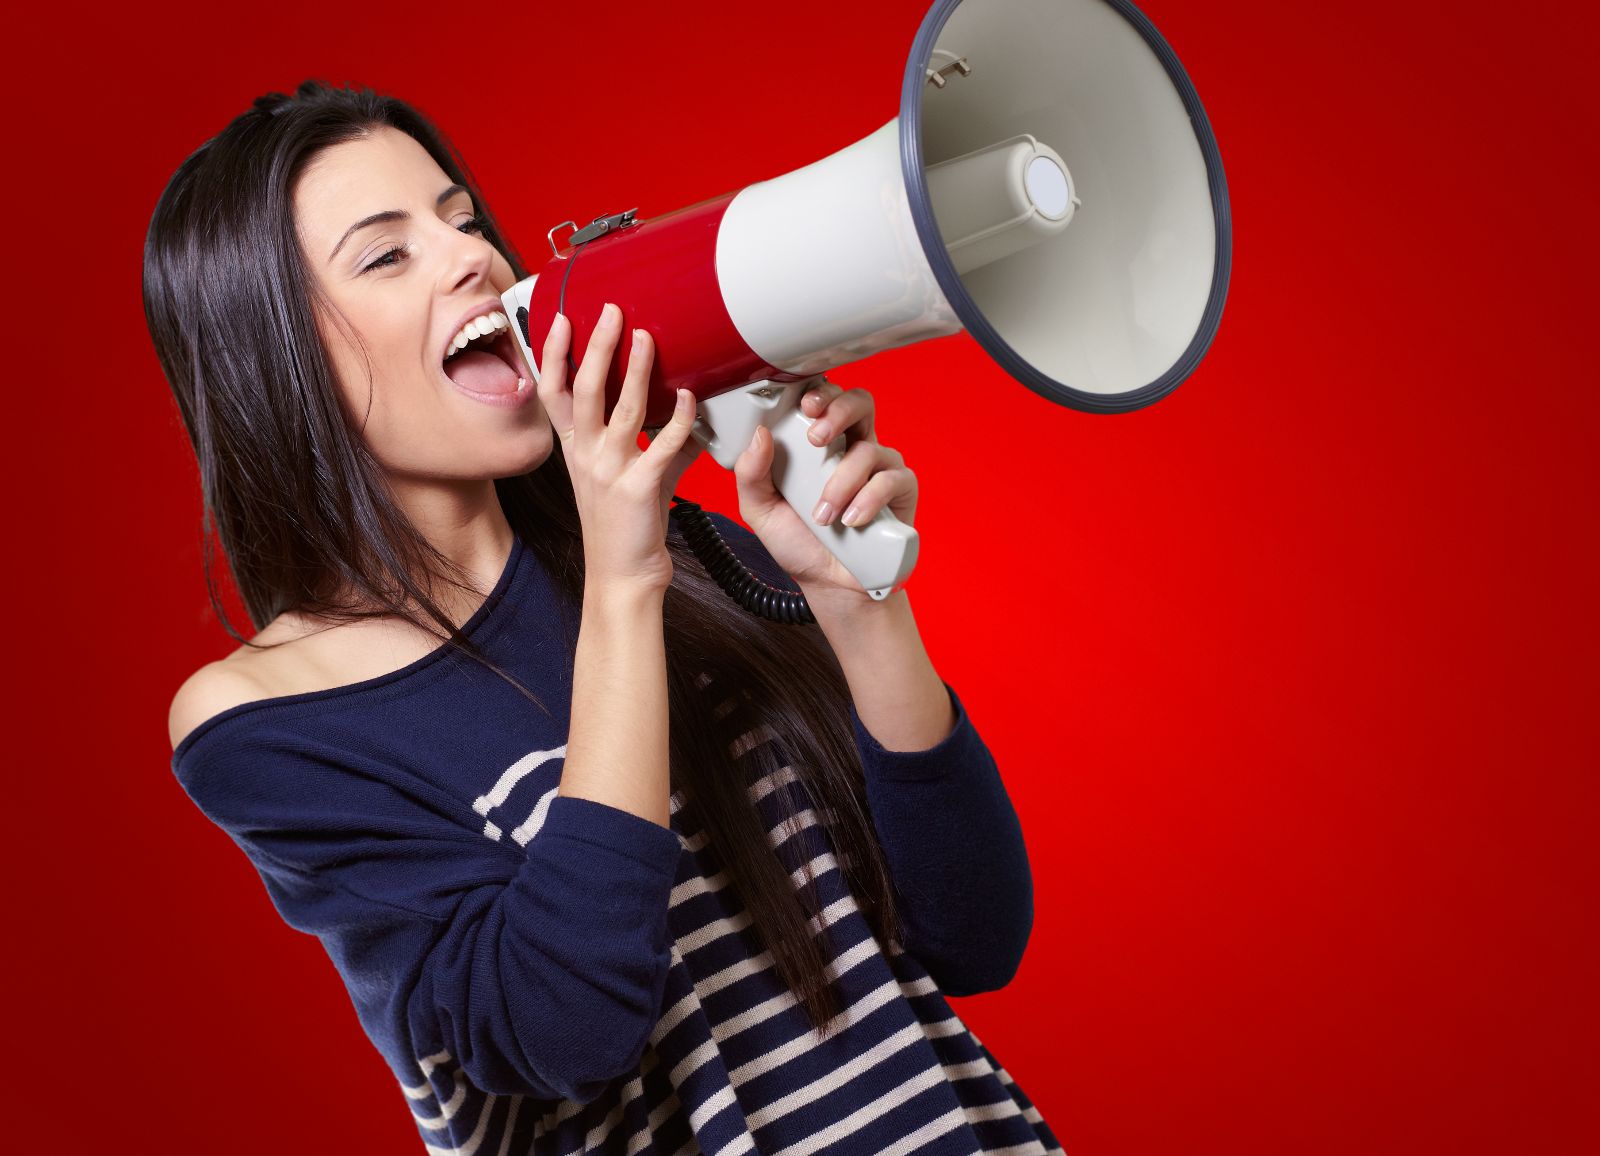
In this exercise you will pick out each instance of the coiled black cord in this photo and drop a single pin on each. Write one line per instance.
(731, 574)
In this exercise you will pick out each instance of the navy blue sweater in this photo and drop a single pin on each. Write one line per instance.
(546, 973)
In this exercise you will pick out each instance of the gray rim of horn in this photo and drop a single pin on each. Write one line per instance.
(944, 270)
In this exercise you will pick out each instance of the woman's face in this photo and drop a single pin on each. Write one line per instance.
(401, 287)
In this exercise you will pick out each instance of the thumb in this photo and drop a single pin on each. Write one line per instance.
(681, 461)
(753, 475)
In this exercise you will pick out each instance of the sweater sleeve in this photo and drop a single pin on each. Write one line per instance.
(951, 837)
(956, 853)
(541, 970)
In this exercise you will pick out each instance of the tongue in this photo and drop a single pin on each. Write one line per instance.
(481, 372)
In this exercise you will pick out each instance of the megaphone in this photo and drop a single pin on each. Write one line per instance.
(1051, 186)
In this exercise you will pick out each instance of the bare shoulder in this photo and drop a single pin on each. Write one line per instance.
(248, 674)
(293, 655)
(209, 691)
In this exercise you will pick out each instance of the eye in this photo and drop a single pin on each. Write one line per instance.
(474, 224)
(389, 257)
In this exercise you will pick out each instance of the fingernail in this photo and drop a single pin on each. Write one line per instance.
(821, 432)
(638, 338)
(822, 514)
(850, 516)
(610, 314)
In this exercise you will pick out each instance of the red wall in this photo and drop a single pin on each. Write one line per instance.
(1290, 675)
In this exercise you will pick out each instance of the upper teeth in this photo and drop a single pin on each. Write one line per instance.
(477, 327)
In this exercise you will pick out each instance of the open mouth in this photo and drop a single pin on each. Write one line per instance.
(489, 361)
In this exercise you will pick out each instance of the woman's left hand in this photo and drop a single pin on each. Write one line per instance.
(868, 478)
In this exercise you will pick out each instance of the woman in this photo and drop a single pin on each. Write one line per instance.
(566, 925)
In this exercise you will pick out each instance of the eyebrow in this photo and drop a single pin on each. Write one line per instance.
(391, 215)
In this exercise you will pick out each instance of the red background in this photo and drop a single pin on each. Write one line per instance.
(1290, 675)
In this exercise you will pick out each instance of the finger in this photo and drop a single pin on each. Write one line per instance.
(589, 387)
(664, 447)
(552, 386)
(814, 400)
(628, 413)
(851, 411)
(858, 464)
(887, 487)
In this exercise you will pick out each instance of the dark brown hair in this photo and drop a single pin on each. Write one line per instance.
(306, 522)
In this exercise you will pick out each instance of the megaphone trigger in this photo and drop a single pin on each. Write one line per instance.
(879, 554)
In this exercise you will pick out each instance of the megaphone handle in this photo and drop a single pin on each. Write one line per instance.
(879, 554)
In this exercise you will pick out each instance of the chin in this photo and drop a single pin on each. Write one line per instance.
(530, 453)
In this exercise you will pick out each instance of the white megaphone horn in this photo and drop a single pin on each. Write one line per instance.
(1051, 185)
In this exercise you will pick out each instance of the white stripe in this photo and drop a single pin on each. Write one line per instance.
(740, 1144)
(849, 1016)
(1002, 1110)
(704, 884)
(434, 1123)
(530, 826)
(701, 884)
(753, 737)
(864, 1115)
(664, 1111)
(784, 1000)
(967, 1071)
(477, 1135)
(712, 1105)
(721, 1031)
(801, 1044)
(766, 784)
(511, 1125)
(932, 1130)
(423, 1091)
(741, 968)
(513, 775)
(604, 1128)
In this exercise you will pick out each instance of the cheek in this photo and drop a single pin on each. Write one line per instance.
(378, 390)
(349, 379)
(500, 274)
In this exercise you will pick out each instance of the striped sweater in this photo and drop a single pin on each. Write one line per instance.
(549, 974)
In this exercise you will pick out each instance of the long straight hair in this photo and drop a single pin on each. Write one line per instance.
(306, 522)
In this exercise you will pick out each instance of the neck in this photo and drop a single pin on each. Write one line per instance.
(464, 522)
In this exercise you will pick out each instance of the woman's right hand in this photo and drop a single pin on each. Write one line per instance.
(619, 488)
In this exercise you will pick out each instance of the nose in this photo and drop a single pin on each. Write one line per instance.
(468, 258)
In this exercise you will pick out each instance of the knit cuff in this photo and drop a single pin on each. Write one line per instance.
(613, 829)
(962, 747)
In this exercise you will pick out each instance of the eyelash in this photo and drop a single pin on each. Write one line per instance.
(476, 225)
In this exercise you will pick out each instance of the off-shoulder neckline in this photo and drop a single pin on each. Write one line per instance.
(471, 627)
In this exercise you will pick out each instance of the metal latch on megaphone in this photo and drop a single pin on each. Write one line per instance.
(598, 227)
